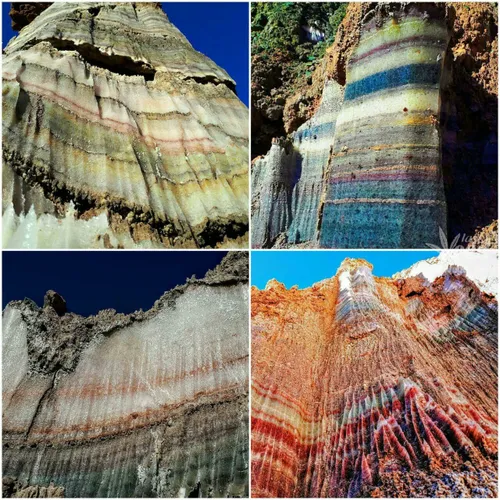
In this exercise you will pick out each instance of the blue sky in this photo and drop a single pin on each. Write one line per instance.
(91, 281)
(304, 268)
(218, 30)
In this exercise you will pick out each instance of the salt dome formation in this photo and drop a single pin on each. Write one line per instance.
(370, 172)
(150, 404)
(117, 133)
(375, 387)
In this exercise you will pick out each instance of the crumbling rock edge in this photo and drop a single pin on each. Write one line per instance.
(13, 488)
(64, 335)
(115, 62)
(210, 233)
(22, 14)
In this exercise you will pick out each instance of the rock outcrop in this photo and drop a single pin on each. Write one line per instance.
(414, 154)
(283, 60)
(24, 13)
(287, 183)
(385, 164)
(374, 387)
(150, 404)
(117, 133)
(486, 237)
(480, 267)
(470, 133)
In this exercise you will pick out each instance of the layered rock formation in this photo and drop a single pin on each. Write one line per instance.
(284, 57)
(150, 404)
(416, 78)
(117, 133)
(287, 183)
(374, 387)
(386, 158)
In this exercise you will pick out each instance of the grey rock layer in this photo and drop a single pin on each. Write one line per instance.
(148, 404)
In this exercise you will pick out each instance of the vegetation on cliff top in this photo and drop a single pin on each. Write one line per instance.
(277, 27)
(283, 59)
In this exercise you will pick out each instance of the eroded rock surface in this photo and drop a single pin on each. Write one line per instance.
(117, 133)
(486, 237)
(375, 387)
(287, 184)
(385, 188)
(414, 156)
(150, 404)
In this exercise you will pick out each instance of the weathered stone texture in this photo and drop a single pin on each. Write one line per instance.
(374, 387)
(117, 133)
(150, 404)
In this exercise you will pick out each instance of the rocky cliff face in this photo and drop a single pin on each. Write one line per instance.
(385, 163)
(415, 77)
(283, 60)
(381, 387)
(287, 183)
(117, 133)
(151, 404)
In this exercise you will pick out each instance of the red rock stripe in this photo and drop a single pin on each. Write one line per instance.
(127, 422)
(104, 390)
(121, 127)
(289, 403)
(419, 39)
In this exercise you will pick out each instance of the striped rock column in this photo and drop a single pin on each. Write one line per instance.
(385, 188)
(312, 143)
(272, 181)
(288, 182)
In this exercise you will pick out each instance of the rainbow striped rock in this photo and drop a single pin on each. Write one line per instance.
(151, 404)
(117, 133)
(375, 387)
(385, 188)
(287, 183)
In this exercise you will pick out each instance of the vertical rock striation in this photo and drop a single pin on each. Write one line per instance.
(386, 187)
(151, 404)
(117, 133)
(287, 183)
(412, 148)
(365, 386)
